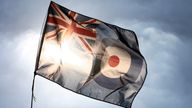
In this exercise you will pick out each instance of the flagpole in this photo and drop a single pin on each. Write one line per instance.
(38, 56)
(32, 94)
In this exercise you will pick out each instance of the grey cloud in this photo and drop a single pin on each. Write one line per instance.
(16, 68)
(21, 15)
(169, 15)
(167, 49)
(168, 81)
(184, 61)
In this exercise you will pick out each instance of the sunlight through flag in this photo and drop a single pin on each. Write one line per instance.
(90, 57)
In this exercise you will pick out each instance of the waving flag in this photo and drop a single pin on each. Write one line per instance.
(90, 57)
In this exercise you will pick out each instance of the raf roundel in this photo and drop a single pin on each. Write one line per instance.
(116, 62)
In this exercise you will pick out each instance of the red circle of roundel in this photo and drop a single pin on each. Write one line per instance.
(113, 60)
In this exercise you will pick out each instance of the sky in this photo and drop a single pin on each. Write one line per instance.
(164, 32)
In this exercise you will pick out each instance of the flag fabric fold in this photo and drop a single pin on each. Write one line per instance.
(90, 57)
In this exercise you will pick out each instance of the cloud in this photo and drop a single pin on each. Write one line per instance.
(157, 46)
(22, 15)
(17, 64)
(163, 29)
(170, 15)
(164, 86)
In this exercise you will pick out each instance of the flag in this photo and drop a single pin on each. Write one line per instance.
(90, 57)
